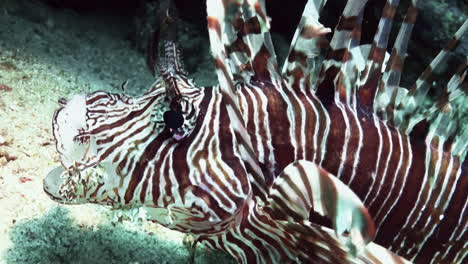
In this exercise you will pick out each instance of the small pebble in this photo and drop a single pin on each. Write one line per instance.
(3, 161)
(5, 88)
(24, 179)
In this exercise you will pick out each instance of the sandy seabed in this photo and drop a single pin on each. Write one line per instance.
(45, 56)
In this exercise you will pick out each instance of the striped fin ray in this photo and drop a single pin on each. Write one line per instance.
(458, 95)
(356, 34)
(389, 93)
(413, 102)
(304, 187)
(265, 64)
(373, 71)
(307, 42)
(247, 41)
(218, 23)
(449, 117)
(335, 79)
(352, 68)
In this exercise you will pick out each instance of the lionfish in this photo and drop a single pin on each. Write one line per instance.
(323, 161)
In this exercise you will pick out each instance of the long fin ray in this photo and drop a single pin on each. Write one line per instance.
(410, 110)
(218, 23)
(308, 40)
(387, 92)
(247, 42)
(373, 71)
(334, 84)
(448, 117)
(265, 64)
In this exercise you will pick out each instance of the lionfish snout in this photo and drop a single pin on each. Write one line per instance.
(83, 175)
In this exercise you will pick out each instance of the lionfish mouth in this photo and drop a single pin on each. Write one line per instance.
(65, 183)
(68, 186)
(53, 183)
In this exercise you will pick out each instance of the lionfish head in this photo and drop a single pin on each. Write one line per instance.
(82, 127)
(96, 133)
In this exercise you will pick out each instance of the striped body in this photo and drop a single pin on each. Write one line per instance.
(414, 190)
(277, 167)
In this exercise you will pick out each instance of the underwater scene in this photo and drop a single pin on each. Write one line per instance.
(233, 131)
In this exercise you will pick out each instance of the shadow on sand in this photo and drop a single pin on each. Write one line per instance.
(54, 238)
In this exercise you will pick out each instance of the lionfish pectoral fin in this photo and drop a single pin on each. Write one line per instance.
(374, 252)
(304, 187)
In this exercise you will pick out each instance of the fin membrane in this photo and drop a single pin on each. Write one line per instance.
(303, 187)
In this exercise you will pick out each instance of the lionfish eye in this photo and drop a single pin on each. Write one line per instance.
(173, 119)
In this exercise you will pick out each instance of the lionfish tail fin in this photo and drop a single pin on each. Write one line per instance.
(304, 189)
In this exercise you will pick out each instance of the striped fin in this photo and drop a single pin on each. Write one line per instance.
(413, 102)
(304, 187)
(449, 116)
(263, 58)
(246, 40)
(458, 101)
(388, 91)
(166, 32)
(335, 83)
(422, 85)
(373, 71)
(405, 109)
(217, 24)
(329, 250)
(261, 238)
(307, 42)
